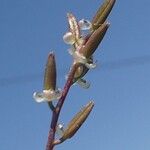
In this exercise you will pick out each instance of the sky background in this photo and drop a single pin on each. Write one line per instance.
(120, 85)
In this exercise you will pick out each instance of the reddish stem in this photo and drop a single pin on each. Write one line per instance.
(58, 107)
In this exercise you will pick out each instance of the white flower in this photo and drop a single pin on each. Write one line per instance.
(47, 95)
(77, 41)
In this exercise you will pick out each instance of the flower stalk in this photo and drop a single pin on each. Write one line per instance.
(83, 37)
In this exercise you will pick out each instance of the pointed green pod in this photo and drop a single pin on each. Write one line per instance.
(50, 73)
(102, 13)
(94, 40)
(77, 121)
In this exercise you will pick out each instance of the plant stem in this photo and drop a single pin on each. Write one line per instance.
(58, 107)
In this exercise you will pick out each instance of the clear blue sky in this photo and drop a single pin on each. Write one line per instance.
(29, 30)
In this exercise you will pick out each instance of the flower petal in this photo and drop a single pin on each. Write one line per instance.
(90, 65)
(69, 38)
(50, 95)
(83, 83)
(71, 51)
(78, 57)
(85, 24)
(59, 129)
(73, 25)
(58, 93)
(47, 95)
(39, 97)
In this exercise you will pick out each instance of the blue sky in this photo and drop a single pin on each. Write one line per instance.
(29, 30)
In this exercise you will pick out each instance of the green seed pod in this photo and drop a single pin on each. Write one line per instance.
(50, 73)
(94, 40)
(50, 76)
(102, 13)
(77, 121)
